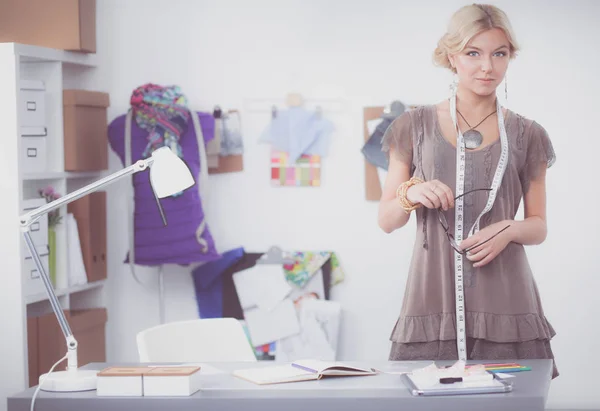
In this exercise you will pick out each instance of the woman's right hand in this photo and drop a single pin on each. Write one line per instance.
(432, 194)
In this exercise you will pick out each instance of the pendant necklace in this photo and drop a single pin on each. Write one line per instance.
(472, 137)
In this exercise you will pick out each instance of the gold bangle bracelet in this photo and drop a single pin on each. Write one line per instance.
(401, 191)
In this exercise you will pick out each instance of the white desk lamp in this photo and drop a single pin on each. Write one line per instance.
(168, 175)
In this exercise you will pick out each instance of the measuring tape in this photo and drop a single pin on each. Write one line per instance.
(461, 340)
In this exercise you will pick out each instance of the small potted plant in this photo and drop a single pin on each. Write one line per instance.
(54, 219)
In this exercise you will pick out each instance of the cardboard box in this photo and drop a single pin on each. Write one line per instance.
(88, 327)
(60, 24)
(90, 213)
(32, 350)
(86, 130)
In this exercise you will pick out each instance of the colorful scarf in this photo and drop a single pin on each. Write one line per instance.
(163, 112)
(306, 264)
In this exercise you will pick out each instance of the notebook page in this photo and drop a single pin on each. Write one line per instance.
(274, 374)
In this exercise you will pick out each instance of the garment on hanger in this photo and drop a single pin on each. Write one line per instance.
(299, 131)
(213, 147)
(372, 149)
(208, 283)
(231, 135)
(186, 239)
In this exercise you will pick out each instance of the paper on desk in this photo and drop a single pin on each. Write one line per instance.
(318, 337)
(263, 286)
(504, 376)
(266, 326)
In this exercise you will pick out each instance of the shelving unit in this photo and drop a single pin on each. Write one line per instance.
(36, 298)
(57, 70)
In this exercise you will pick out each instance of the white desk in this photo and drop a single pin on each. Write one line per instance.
(378, 392)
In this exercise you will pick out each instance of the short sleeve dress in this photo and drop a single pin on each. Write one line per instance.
(504, 314)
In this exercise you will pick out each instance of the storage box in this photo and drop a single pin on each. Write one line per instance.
(86, 130)
(32, 278)
(88, 327)
(32, 103)
(60, 24)
(120, 382)
(171, 381)
(33, 129)
(32, 350)
(33, 154)
(90, 213)
(39, 229)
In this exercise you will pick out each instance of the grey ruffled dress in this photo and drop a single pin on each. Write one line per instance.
(504, 315)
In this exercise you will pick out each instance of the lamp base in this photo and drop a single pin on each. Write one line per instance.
(69, 381)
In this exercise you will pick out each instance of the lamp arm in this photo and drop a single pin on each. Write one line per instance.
(30, 217)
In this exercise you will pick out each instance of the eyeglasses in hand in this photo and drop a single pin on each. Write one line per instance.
(446, 226)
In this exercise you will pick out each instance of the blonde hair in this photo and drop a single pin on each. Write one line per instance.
(467, 22)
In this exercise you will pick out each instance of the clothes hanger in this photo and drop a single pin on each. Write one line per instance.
(393, 110)
(274, 256)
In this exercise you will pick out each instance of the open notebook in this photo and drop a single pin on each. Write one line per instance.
(304, 370)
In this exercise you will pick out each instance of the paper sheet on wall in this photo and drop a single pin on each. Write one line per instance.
(266, 326)
(318, 337)
(263, 286)
(314, 287)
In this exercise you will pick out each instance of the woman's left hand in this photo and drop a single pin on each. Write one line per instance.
(494, 240)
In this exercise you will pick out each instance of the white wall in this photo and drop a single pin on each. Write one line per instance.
(359, 53)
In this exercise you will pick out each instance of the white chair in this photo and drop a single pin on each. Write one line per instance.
(209, 339)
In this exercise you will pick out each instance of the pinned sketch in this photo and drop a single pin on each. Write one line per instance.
(272, 325)
(318, 336)
(261, 286)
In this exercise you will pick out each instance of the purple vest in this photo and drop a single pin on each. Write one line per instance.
(176, 243)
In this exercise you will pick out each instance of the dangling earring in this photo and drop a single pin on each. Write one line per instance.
(506, 87)
(454, 84)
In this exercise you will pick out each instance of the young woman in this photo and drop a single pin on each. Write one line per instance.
(463, 166)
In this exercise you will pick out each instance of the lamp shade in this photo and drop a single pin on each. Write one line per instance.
(168, 173)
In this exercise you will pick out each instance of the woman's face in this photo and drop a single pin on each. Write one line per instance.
(482, 64)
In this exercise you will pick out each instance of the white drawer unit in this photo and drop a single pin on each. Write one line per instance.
(39, 229)
(32, 278)
(32, 103)
(34, 157)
